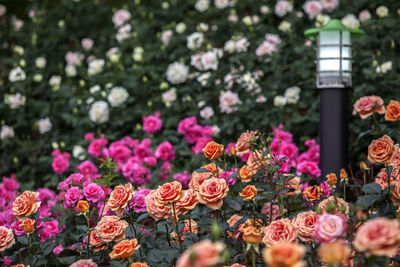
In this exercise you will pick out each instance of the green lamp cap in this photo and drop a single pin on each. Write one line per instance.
(333, 25)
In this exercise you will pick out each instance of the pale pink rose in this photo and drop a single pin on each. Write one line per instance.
(367, 105)
(276, 211)
(202, 254)
(305, 222)
(87, 43)
(329, 5)
(73, 58)
(364, 15)
(3, 10)
(312, 8)
(84, 263)
(280, 231)
(273, 38)
(166, 37)
(120, 17)
(228, 102)
(329, 228)
(233, 18)
(266, 48)
(282, 7)
(209, 61)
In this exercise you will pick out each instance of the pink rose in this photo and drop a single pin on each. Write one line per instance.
(312, 8)
(60, 163)
(364, 15)
(329, 5)
(200, 144)
(96, 146)
(152, 123)
(329, 228)
(276, 212)
(120, 17)
(280, 231)
(57, 250)
(310, 168)
(265, 48)
(87, 43)
(76, 178)
(367, 105)
(72, 196)
(165, 151)
(93, 192)
(186, 124)
(84, 263)
(282, 7)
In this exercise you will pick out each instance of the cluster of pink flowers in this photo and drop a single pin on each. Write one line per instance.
(269, 45)
(307, 162)
(8, 193)
(195, 134)
(60, 162)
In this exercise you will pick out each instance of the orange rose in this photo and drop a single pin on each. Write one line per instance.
(96, 242)
(82, 206)
(25, 205)
(312, 193)
(28, 225)
(211, 167)
(233, 220)
(6, 238)
(336, 252)
(111, 228)
(212, 192)
(119, 198)
(331, 179)
(213, 150)
(393, 111)
(250, 222)
(198, 178)
(243, 144)
(246, 173)
(343, 174)
(279, 231)
(381, 150)
(304, 222)
(294, 185)
(187, 202)
(124, 249)
(367, 105)
(339, 202)
(249, 193)
(251, 235)
(139, 264)
(256, 161)
(156, 212)
(284, 255)
(189, 227)
(379, 237)
(168, 193)
(204, 254)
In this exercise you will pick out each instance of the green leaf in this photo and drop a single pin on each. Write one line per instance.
(232, 204)
(372, 188)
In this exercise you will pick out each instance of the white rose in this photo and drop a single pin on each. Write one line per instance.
(202, 27)
(242, 44)
(384, 67)
(40, 62)
(216, 130)
(279, 101)
(180, 27)
(350, 21)
(94, 89)
(70, 70)
(261, 99)
(95, 66)
(202, 5)
(99, 112)
(264, 9)
(221, 3)
(6, 132)
(117, 96)
(78, 152)
(382, 11)
(207, 113)
(44, 125)
(285, 26)
(120, 17)
(177, 73)
(169, 96)
(195, 40)
(55, 82)
(209, 61)
(230, 46)
(166, 37)
(292, 94)
(38, 77)
(203, 78)
(247, 20)
(16, 74)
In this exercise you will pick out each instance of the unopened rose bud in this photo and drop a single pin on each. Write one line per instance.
(216, 230)
(363, 166)
(82, 206)
(232, 150)
(28, 225)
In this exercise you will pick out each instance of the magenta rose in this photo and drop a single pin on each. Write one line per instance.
(165, 151)
(93, 192)
(72, 196)
(152, 123)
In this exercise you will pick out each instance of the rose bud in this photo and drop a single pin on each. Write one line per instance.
(82, 206)
(251, 235)
(28, 225)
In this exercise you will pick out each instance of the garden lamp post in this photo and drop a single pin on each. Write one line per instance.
(333, 80)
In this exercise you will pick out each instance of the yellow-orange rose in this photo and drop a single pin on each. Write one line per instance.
(335, 252)
(25, 205)
(156, 212)
(187, 202)
(213, 150)
(119, 198)
(245, 174)
(243, 144)
(252, 235)
(381, 150)
(28, 225)
(312, 193)
(6, 238)
(139, 264)
(212, 192)
(124, 249)
(304, 223)
(249, 193)
(198, 178)
(331, 179)
(168, 193)
(279, 231)
(393, 111)
(202, 254)
(284, 255)
(82, 206)
(111, 228)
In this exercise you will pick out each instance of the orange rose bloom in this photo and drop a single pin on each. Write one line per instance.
(249, 193)
(6, 238)
(211, 167)
(111, 228)
(213, 150)
(190, 227)
(168, 193)
(379, 237)
(25, 205)
(251, 235)
(343, 174)
(187, 202)
(336, 252)
(338, 203)
(381, 150)
(198, 178)
(139, 264)
(367, 105)
(246, 173)
(393, 111)
(212, 192)
(284, 255)
(312, 193)
(256, 161)
(82, 206)
(156, 212)
(119, 198)
(279, 231)
(28, 225)
(304, 222)
(202, 254)
(243, 144)
(124, 249)
(331, 179)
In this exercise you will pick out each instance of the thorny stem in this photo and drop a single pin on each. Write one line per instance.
(176, 227)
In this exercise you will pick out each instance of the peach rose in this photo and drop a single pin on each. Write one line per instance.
(393, 111)
(381, 150)
(396, 160)
(294, 185)
(168, 193)
(367, 105)
(305, 223)
(156, 212)
(139, 264)
(279, 231)
(198, 178)
(28, 225)
(25, 205)
(339, 204)
(202, 254)
(331, 179)
(245, 174)
(82, 206)
(189, 227)
(379, 237)
(212, 168)
(335, 252)
(251, 235)
(96, 242)
(213, 150)
(6, 238)
(248, 193)
(124, 249)
(256, 161)
(284, 255)
(312, 193)
(187, 202)
(111, 228)
(84, 263)
(233, 220)
(382, 179)
(212, 192)
(119, 198)
(236, 265)
(243, 144)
